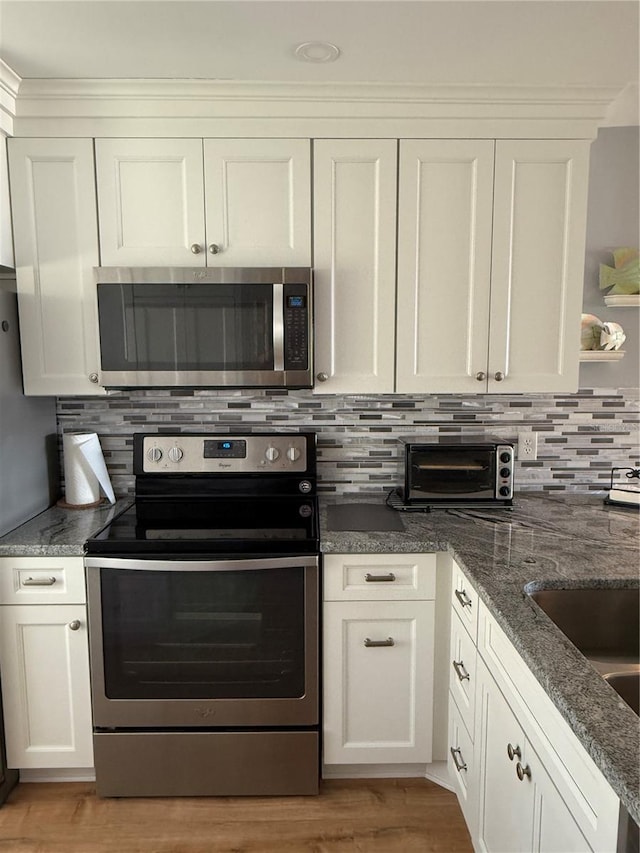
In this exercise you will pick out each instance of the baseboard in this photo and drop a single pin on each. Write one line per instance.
(58, 774)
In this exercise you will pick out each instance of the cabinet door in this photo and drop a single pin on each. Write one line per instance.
(151, 202)
(44, 661)
(506, 803)
(258, 202)
(56, 247)
(355, 264)
(378, 682)
(538, 264)
(444, 264)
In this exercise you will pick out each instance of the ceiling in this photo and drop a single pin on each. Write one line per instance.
(489, 42)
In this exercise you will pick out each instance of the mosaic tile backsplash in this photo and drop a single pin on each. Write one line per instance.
(580, 436)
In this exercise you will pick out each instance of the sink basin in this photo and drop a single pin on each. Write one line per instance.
(627, 686)
(603, 624)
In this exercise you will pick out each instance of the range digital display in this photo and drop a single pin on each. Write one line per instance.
(225, 448)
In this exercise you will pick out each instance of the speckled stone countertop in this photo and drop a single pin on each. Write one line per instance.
(547, 541)
(57, 531)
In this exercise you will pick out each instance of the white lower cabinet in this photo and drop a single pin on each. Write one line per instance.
(378, 659)
(44, 661)
(523, 780)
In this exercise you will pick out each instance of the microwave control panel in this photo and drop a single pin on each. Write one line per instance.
(296, 327)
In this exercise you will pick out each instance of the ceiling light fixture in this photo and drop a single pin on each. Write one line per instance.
(317, 51)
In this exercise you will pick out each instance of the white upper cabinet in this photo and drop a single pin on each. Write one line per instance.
(540, 210)
(354, 264)
(490, 265)
(224, 202)
(56, 247)
(258, 202)
(150, 202)
(444, 263)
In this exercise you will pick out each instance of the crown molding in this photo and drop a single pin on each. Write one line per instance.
(9, 86)
(227, 107)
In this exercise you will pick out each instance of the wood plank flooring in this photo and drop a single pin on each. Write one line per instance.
(349, 816)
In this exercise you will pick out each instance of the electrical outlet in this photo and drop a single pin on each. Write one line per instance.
(527, 445)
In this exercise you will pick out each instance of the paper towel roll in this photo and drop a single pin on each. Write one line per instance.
(84, 469)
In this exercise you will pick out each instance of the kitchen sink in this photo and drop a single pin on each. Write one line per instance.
(604, 624)
(627, 686)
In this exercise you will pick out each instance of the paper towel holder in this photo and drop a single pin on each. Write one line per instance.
(64, 505)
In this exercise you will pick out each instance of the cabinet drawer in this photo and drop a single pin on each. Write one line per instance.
(465, 601)
(42, 580)
(379, 577)
(461, 764)
(462, 671)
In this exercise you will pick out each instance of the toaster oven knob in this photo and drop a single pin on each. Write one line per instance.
(271, 454)
(293, 454)
(504, 491)
(154, 454)
(505, 457)
(175, 454)
(504, 472)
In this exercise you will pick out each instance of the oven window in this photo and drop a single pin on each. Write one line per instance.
(186, 327)
(439, 473)
(203, 635)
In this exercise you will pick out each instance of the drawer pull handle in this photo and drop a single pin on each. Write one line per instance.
(460, 765)
(463, 598)
(461, 672)
(75, 625)
(513, 752)
(373, 644)
(369, 578)
(521, 771)
(39, 581)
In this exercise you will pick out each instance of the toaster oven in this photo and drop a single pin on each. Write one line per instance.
(454, 471)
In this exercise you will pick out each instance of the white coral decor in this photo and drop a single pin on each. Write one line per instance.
(612, 336)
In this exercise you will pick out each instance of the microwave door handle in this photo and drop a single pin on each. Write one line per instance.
(278, 327)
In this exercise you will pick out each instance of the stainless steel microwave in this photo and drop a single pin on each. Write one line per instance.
(450, 471)
(192, 327)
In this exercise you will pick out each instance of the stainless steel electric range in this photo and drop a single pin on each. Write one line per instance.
(203, 604)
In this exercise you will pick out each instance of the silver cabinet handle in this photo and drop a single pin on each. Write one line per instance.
(463, 598)
(499, 376)
(461, 672)
(93, 377)
(369, 578)
(322, 377)
(481, 375)
(75, 625)
(214, 248)
(513, 752)
(196, 248)
(373, 644)
(39, 581)
(460, 765)
(521, 771)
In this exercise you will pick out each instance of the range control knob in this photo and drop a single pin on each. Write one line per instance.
(271, 454)
(293, 454)
(154, 454)
(175, 454)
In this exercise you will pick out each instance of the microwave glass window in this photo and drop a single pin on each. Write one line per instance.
(186, 327)
(439, 473)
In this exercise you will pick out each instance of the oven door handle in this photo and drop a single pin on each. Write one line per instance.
(144, 565)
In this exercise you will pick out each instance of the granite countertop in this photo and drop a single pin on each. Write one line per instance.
(58, 531)
(546, 541)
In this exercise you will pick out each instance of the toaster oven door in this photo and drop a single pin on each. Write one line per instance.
(445, 474)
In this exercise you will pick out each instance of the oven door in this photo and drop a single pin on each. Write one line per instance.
(203, 643)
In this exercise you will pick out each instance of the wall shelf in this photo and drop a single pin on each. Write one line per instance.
(623, 301)
(601, 355)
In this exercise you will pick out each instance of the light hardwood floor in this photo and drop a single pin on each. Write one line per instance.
(354, 816)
